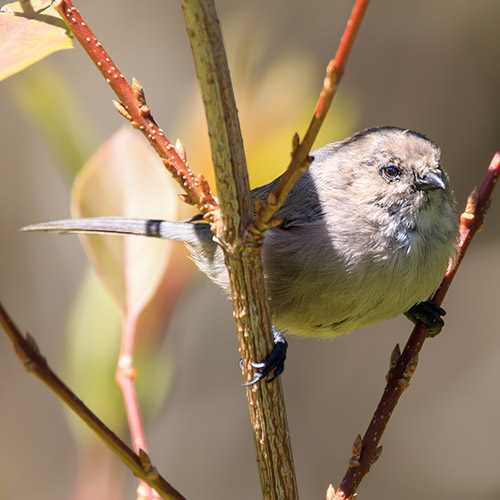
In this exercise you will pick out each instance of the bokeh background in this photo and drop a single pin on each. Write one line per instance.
(431, 66)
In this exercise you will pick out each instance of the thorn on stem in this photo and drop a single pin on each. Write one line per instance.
(330, 68)
(404, 381)
(125, 372)
(122, 110)
(24, 358)
(179, 147)
(275, 221)
(32, 343)
(146, 464)
(145, 110)
(357, 448)
(186, 199)
(203, 184)
(330, 492)
(470, 209)
(376, 455)
(138, 92)
(26, 354)
(295, 142)
(271, 200)
(395, 355)
(253, 236)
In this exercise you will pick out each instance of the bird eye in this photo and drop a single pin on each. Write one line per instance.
(391, 172)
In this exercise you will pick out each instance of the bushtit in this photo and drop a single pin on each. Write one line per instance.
(367, 234)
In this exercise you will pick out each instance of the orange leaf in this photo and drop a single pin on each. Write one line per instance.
(29, 31)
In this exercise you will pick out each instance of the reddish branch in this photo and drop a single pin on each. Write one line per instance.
(125, 378)
(29, 354)
(404, 364)
(132, 105)
(300, 153)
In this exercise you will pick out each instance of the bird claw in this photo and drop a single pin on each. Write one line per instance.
(274, 363)
(429, 314)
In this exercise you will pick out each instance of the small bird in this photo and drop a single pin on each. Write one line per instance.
(366, 234)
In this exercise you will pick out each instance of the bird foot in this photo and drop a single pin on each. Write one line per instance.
(429, 314)
(274, 362)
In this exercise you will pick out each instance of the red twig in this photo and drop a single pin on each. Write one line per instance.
(133, 107)
(333, 494)
(29, 354)
(125, 377)
(403, 365)
(300, 154)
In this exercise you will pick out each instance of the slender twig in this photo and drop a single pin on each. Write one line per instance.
(29, 354)
(125, 378)
(251, 310)
(300, 153)
(404, 364)
(132, 105)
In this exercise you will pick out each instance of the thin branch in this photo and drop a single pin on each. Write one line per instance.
(404, 364)
(125, 378)
(300, 153)
(28, 352)
(132, 105)
(251, 310)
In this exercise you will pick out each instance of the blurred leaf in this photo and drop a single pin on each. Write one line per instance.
(155, 366)
(94, 327)
(100, 475)
(29, 31)
(283, 104)
(126, 178)
(155, 315)
(93, 343)
(46, 98)
(275, 99)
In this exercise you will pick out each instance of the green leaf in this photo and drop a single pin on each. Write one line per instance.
(29, 31)
(44, 95)
(92, 345)
(94, 332)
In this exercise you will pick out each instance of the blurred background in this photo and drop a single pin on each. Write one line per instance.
(430, 66)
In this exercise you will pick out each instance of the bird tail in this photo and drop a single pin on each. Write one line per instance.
(186, 232)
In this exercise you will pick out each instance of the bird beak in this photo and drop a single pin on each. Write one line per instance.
(430, 181)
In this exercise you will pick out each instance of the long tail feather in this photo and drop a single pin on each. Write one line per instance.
(177, 231)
